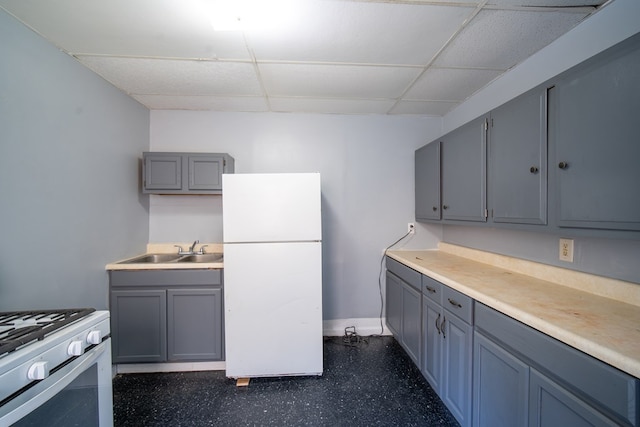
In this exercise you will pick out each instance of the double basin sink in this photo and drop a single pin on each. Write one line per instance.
(174, 258)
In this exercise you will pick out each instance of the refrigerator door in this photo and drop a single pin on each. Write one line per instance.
(273, 309)
(271, 207)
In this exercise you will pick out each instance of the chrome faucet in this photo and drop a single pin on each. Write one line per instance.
(191, 250)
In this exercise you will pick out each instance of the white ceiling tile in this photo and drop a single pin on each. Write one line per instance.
(333, 106)
(431, 108)
(545, 3)
(149, 28)
(449, 84)
(212, 103)
(361, 32)
(176, 77)
(499, 39)
(335, 81)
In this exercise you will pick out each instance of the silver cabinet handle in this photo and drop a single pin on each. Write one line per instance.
(533, 169)
(431, 290)
(444, 319)
(563, 165)
(438, 324)
(454, 303)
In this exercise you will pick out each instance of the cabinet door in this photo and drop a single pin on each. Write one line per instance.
(596, 128)
(139, 326)
(518, 160)
(432, 343)
(411, 326)
(500, 386)
(427, 185)
(456, 364)
(162, 171)
(194, 323)
(394, 304)
(464, 172)
(551, 405)
(205, 172)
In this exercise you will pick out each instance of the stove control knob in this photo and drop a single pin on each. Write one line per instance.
(76, 348)
(39, 370)
(94, 337)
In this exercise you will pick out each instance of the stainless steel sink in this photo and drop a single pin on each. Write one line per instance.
(212, 257)
(152, 259)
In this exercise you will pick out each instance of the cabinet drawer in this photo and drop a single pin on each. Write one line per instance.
(613, 391)
(432, 289)
(458, 304)
(407, 274)
(165, 277)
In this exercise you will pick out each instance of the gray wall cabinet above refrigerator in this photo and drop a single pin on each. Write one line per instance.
(184, 173)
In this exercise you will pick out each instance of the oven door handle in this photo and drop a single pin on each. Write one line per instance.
(37, 395)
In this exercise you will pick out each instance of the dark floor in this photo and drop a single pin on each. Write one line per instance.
(369, 384)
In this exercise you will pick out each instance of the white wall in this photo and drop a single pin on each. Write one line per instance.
(617, 258)
(366, 163)
(69, 198)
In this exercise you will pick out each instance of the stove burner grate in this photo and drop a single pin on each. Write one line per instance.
(18, 328)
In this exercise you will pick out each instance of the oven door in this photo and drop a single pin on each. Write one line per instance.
(77, 394)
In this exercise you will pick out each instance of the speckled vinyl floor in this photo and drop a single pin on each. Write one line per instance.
(370, 384)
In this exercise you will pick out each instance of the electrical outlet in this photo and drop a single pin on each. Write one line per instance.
(566, 250)
(411, 228)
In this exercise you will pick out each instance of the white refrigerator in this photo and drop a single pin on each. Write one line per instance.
(272, 274)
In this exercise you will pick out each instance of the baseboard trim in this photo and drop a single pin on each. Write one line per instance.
(364, 326)
(144, 368)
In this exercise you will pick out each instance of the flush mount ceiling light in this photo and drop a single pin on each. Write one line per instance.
(250, 15)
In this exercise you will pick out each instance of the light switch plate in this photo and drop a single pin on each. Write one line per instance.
(566, 250)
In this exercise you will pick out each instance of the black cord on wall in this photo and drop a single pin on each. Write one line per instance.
(384, 254)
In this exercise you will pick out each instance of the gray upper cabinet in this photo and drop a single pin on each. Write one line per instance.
(464, 174)
(185, 173)
(518, 160)
(596, 130)
(427, 181)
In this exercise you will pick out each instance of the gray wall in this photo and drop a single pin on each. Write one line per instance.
(69, 203)
(366, 164)
(617, 258)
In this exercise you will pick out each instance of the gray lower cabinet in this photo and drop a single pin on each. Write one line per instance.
(524, 377)
(518, 160)
(447, 341)
(500, 386)
(166, 316)
(139, 325)
(404, 307)
(191, 313)
(464, 172)
(184, 173)
(427, 182)
(551, 405)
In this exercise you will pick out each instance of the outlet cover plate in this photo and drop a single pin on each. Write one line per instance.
(566, 250)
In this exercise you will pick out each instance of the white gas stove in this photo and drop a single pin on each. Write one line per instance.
(55, 368)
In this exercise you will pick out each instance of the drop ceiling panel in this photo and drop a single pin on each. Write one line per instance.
(449, 84)
(335, 81)
(174, 77)
(361, 32)
(335, 56)
(545, 3)
(333, 106)
(200, 102)
(499, 39)
(149, 28)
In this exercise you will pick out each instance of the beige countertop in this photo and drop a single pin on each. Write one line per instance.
(597, 315)
(169, 248)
